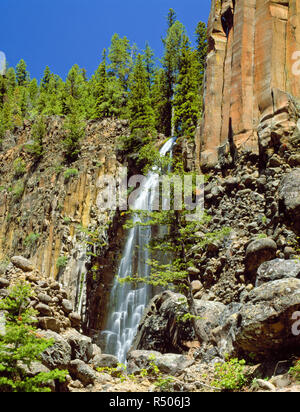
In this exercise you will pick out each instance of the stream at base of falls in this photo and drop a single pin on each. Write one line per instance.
(127, 302)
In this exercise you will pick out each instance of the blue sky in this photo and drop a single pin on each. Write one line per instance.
(60, 33)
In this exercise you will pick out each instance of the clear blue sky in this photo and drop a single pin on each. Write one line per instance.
(60, 33)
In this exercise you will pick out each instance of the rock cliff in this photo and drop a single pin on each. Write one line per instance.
(48, 211)
(252, 81)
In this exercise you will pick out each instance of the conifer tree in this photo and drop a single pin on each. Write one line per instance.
(187, 99)
(201, 39)
(11, 79)
(6, 118)
(22, 74)
(101, 109)
(74, 131)
(140, 110)
(46, 79)
(160, 102)
(150, 63)
(20, 346)
(171, 18)
(33, 90)
(38, 132)
(141, 114)
(121, 59)
(173, 42)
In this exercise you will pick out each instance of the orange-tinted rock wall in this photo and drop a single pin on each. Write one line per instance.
(250, 75)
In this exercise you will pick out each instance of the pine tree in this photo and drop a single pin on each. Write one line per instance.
(121, 59)
(33, 90)
(187, 99)
(140, 110)
(74, 132)
(6, 118)
(201, 38)
(38, 132)
(46, 79)
(20, 346)
(171, 18)
(100, 110)
(173, 43)
(141, 114)
(11, 79)
(160, 102)
(22, 74)
(150, 63)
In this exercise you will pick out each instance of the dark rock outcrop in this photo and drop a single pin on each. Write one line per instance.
(289, 198)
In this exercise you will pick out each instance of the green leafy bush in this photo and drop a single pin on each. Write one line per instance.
(229, 376)
(31, 239)
(295, 371)
(20, 345)
(18, 190)
(70, 173)
(19, 167)
(61, 262)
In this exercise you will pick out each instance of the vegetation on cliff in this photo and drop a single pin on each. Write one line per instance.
(128, 83)
(21, 346)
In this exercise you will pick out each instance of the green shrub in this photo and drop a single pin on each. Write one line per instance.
(38, 133)
(18, 190)
(70, 173)
(31, 239)
(20, 345)
(229, 376)
(19, 167)
(61, 262)
(295, 371)
(4, 264)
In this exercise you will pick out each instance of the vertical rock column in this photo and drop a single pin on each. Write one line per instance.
(249, 76)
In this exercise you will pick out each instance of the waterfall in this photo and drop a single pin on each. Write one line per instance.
(127, 303)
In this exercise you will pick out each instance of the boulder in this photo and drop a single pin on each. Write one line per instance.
(44, 298)
(59, 354)
(258, 252)
(82, 347)
(105, 361)
(4, 283)
(80, 370)
(67, 306)
(277, 269)
(75, 319)
(264, 324)
(50, 323)
(289, 198)
(196, 286)
(44, 310)
(22, 263)
(170, 364)
(161, 331)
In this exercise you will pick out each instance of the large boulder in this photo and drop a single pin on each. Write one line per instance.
(258, 252)
(105, 361)
(22, 263)
(289, 198)
(263, 325)
(170, 363)
(58, 355)
(277, 269)
(80, 370)
(161, 329)
(82, 346)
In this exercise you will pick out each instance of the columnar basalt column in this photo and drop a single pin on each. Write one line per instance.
(251, 85)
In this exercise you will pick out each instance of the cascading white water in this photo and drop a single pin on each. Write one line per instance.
(127, 303)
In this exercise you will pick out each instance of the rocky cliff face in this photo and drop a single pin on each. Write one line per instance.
(48, 211)
(252, 87)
